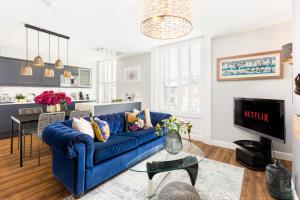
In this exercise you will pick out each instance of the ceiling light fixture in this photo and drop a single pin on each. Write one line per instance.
(27, 69)
(48, 71)
(166, 19)
(38, 61)
(58, 62)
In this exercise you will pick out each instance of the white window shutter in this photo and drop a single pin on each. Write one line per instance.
(180, 84)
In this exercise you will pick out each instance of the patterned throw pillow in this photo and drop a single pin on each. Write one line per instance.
(147, 118)
(134, 121)
(101, 129)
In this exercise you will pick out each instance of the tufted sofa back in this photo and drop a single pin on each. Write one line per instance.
(116, 122)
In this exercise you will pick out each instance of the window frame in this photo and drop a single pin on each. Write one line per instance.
(109, 80)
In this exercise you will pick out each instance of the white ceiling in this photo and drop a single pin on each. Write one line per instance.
(114, 24)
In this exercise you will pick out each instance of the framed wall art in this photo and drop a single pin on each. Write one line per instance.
(132, 74)
(264, 65)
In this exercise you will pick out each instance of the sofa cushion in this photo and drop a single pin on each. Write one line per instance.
(115, 121)
(115, 145)
(143, 136)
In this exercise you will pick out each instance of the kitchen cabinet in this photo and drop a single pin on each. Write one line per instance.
(9, 71)
(73, 70)
(6, 110)
(85, 77)
(10, 75)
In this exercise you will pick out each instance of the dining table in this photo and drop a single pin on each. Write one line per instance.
(20, 120)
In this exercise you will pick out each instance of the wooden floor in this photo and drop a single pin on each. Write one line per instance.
(33, 182)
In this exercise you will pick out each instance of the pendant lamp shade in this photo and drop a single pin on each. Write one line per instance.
(26, 70)
(48, 71)
(166, 19)
(58, 62)
(38, 60)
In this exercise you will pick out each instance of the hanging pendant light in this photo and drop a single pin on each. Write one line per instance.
(49, 72)
(26, 70)
(58, 63)
(67, 74)
(38, 61)
(166, 19)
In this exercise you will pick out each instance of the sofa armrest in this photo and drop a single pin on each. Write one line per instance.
(63, 139)
(156, 117)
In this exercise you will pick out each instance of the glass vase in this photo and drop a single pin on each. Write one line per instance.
(173, 143)
(278, 181)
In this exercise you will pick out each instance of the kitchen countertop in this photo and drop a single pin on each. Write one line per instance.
(111, 103)
(16, 103)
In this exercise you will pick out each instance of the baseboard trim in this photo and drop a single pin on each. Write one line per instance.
(284, 156)
(230, 145)
(224, 144)
(194, 136)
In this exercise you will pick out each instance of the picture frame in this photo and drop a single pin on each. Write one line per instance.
(263, 65)
(132, 74)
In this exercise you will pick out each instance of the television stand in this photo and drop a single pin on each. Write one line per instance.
(254, 155)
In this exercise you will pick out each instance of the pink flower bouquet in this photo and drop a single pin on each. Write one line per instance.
(51, 98)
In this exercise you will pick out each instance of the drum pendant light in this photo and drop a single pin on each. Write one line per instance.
(49, 72)
(67, 74)
(58, 63)
(38, 61)
(166, 19)
(27, 69)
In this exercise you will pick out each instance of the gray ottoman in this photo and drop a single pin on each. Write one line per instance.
(178, 191)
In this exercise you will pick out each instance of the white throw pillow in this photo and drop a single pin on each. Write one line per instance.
(83, 126)
(147, 121)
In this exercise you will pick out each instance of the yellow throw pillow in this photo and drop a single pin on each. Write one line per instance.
(101, 129)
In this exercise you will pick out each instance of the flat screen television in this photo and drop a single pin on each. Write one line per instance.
(264, 117)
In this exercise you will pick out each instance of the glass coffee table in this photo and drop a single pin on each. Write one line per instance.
(157, 160)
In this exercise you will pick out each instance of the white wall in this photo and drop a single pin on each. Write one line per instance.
(143, 87)
(265, 39)
(296, 54)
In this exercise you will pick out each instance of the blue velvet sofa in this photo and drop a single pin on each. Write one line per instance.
(80, 163)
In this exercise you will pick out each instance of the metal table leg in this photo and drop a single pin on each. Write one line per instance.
(12, 137)
(21, 144)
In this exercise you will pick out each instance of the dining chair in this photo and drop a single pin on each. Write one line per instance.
(78, 114)
(29, 128)
(46, 119)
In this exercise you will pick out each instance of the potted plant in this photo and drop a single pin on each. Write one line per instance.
(173, 128)
(20, 98)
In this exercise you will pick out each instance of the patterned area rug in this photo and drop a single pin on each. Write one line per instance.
(216, 181)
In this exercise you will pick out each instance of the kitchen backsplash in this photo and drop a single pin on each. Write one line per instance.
(27, 91)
